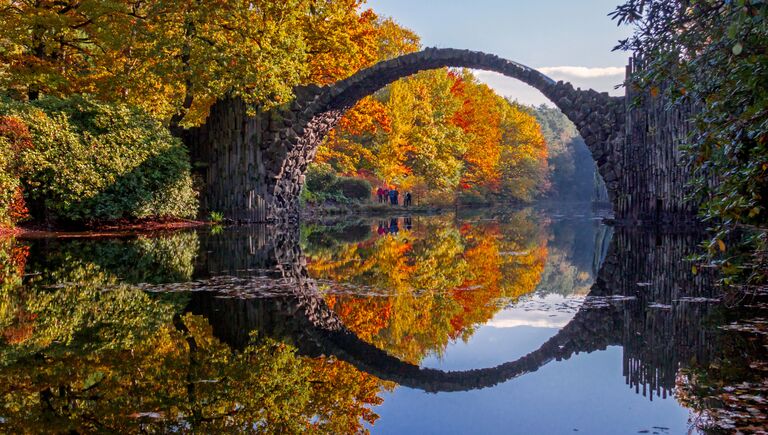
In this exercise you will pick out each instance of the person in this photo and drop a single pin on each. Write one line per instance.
(397, 199)
(407, 201)
(393, 226)
(380, 194)
(408, 224)
(392, 196)
(381, 230)
(384, 195)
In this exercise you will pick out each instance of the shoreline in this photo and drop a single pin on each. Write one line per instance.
(104, 230)
(309, 214)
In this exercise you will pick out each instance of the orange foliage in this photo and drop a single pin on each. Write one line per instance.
(443, 130)
(16, 133)
(13, 256)
(480, 118)
(439, 284)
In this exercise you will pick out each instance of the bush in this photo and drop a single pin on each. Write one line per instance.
(320, 178)
(354, 188)
(93, 161)
(322, 184)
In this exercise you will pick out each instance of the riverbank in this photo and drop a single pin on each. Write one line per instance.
(314, 212)
(106, 229)
(330, 210)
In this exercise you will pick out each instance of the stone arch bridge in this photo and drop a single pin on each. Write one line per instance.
(253, 165)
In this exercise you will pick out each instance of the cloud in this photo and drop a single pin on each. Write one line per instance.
(583, 72)
(603, 79)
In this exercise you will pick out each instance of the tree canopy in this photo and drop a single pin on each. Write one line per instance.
(442, 132)
(174, 58)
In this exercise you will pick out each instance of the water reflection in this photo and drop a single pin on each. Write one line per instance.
(255, 329)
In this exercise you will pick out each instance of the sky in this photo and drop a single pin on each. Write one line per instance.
(569, 40)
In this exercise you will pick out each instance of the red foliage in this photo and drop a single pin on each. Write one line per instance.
(16, 132)
(18, 210)
(17, 261)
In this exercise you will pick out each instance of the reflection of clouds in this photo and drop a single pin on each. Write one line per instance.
(550, 311)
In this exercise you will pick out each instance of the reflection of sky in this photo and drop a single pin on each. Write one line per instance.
(585, 394)
(547, 311)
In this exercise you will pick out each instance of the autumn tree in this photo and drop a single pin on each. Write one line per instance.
(441, 132)
(523, 160)
(175, 58)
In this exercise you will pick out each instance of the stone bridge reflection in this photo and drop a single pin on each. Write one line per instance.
(644, 299)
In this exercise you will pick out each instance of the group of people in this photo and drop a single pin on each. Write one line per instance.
(392, 196)
(394, 226)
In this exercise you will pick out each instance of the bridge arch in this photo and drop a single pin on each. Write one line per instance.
(300, 314)
(255, 165)
(316, 329)
(616, 311)
(598, 116)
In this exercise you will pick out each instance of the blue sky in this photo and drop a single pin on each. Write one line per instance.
(566, 39)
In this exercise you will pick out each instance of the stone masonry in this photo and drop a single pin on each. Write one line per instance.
(253, 164)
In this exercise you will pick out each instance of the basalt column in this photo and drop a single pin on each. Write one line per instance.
(250, 162)
(653, 186)
(229, 160)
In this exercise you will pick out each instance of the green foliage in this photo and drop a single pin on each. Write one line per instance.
(572, 168)
(95, 161)
(320, 178)
(158, 259)
(217, 216)
(712, 54)
(354, 188)
(9, 185)
(322, 184)
(473, 197)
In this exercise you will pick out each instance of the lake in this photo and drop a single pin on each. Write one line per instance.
(533, 320)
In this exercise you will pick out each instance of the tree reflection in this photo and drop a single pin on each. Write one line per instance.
(440, 280)
(117, 336)
(85, 351)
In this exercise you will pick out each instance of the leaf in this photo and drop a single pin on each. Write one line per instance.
(721, 245)
(733, 30)
(93, 379)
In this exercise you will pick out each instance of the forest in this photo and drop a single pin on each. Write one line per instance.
(92, 94)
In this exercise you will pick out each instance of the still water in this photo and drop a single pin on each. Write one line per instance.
(523, 321)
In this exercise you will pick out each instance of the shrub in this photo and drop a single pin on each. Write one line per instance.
(322, 184)
(354, 188)
(320, 178)
(93, 161)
